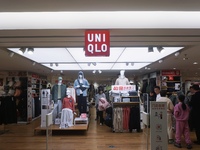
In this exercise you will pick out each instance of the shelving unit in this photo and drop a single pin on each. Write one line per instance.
(170, 81)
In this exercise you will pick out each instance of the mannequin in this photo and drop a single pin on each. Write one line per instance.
(67, 111)
(81, 85)
(68, 101)
(58, 93)
(122, 80)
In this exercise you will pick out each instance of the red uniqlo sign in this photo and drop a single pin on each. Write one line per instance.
(97, 43)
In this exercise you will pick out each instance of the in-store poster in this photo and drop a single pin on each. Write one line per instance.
(45, 105)
(158, 123)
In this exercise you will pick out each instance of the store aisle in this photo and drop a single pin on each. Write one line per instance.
(21, 137)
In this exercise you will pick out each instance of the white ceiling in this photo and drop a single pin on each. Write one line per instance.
(121, 58)
(119, 37)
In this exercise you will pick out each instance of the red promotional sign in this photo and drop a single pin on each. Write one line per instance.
(170, 72)
(97, 43)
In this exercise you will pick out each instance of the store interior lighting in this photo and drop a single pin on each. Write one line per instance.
(22, 50)
(160, 61)
(94, 71)
(150, 49)
(160, 49)
(100, 71)
(119, 58)
(30, 50)
(94, 63)
(177, 53)
(11, 54)
(131, 64)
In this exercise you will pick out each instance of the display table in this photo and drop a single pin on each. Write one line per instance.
(79, 124)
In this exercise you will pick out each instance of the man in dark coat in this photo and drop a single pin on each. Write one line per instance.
(195, 111)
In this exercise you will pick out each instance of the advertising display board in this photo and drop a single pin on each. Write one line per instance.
(158, 123)
(45, 105)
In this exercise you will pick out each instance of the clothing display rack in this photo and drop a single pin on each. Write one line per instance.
(126, 116)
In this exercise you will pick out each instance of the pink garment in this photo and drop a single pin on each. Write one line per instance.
(180, 114)
(182, 127)
(68, 102)
(103, 104)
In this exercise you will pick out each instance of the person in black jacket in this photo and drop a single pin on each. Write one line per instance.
(195, 111)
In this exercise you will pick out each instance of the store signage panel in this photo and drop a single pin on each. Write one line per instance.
(158, 123)
(97, 43)
(170, 72)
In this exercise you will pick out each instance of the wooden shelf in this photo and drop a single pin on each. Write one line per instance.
(79, 127)
(126, 103)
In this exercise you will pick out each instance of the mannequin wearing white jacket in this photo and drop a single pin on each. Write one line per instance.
(122, 80)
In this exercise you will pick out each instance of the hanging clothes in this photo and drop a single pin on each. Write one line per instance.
(134, 122)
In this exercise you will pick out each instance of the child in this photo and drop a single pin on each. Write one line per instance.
(181, 113)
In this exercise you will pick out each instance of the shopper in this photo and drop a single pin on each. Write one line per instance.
(152, 96)
(187, 101)
(170, 109)
(102, 106)
(195, 111)
(99, 95)
(181, 113)
(157, 91)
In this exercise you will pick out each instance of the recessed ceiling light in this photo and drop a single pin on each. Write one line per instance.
(195, 63)
(11, 54)
(177, 53)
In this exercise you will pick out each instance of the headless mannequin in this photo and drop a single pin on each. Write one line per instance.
(122, 80)
(58, 93)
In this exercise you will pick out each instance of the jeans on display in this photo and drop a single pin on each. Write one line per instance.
(82, 104)
(59, 108)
